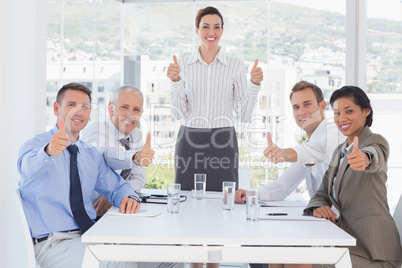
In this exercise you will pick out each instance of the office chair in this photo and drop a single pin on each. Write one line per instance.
(28, 245)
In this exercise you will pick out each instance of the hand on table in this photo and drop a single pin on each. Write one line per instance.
(129, 206)
(240, 196)
(102, 205)
(326, 213)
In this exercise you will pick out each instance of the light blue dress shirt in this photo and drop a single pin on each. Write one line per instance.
(45, 184)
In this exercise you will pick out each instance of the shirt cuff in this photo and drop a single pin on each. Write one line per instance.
(178, 88)
(301, 153)
(369, 157)
(124, 192)
(43, 157)
(254, 89)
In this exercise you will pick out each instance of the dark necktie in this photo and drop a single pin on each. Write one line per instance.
(125, 172)
(76, 200)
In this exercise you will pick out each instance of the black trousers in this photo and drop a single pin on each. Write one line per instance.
(210, 151)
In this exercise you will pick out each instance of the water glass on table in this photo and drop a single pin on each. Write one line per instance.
(200, 182)
(173, 197)
(228, 195)
(253, 205)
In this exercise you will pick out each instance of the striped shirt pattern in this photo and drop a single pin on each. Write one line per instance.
(209, 96)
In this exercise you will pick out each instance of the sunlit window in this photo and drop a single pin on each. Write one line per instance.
(104, 44)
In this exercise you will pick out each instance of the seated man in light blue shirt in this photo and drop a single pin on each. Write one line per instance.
(49, 174)
(120, 140)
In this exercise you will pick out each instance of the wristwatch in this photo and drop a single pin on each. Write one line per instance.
(136, 158)
(369, 157)
(135, 198)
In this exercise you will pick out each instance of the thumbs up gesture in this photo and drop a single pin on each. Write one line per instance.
(256, 74)
(173, 70)
(145, 157)
(357, 159)
(58, 142)
(273, 152)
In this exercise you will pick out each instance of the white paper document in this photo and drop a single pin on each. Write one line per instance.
(293, 200)
(142, 213)
(284, 203)
(291, 218)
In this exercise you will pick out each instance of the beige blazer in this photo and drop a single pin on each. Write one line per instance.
(361, 199)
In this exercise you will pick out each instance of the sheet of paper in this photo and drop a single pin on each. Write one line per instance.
(291, 218)
(284, 203)
(290, 201)
(142, 213)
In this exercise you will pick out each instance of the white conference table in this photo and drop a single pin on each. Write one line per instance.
(203, 232)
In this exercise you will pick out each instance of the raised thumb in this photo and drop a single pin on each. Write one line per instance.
(355, 144)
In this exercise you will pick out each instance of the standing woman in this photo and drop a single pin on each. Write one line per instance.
(355, 184)
(206, 89)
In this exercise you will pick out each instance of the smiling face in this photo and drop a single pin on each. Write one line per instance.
(75, 109)
(349, 117)
(307, 112)
(126, 112)
(210, 31)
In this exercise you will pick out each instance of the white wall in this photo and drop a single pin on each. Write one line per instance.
(22, 106)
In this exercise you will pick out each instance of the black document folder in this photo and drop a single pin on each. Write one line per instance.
(159, 199)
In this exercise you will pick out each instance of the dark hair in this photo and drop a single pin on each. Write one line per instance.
(206, 11)
(358, 97)
(73, 86)
(303, 85)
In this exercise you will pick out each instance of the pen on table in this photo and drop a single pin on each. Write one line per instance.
(276, 214)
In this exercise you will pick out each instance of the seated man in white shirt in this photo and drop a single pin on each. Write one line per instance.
(120, 141)
(309, 160)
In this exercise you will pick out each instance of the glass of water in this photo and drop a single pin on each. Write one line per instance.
(253, 205)
(173, 197)
(200, 182)
(228, 195)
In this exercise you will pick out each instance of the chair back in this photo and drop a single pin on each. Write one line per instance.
(398, 217)
(28, 245)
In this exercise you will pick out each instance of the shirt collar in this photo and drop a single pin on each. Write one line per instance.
(318, 131)
(113, 130)
(345, 148)
(197, 57)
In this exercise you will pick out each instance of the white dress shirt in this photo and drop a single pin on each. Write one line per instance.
(318, 151)
(345, 148)
(206, 96)
(106, 137)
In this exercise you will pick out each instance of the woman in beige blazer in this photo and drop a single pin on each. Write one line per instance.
(355, 184)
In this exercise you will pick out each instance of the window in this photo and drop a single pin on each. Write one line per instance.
(384, 81)
(134, 43)
(384, 46)
(83, 45)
